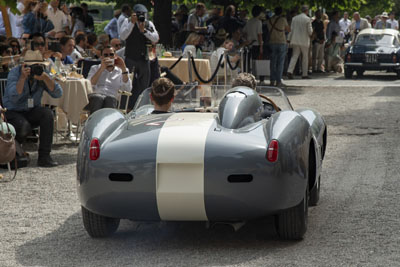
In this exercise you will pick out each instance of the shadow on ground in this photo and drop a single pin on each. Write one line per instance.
(183, 244)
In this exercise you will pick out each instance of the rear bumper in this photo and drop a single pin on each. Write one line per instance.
(137, 200)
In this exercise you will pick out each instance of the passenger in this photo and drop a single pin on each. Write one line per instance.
(245, 79)
(162, 94)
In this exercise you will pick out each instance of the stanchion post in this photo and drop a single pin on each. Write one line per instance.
(226, 66)
(242, 60)
(190, 66)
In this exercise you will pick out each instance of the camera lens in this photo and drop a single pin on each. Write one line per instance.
(37, 69)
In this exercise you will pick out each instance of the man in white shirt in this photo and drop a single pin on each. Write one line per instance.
(345, 23)
(300, 42)
(253, 32)
(137, 33)
(393, 22)
(107, 78)
(57, 17)
(79, 51)
(126, 12)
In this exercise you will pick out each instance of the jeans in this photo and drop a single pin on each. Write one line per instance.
(278, 54)
(99, 101)
(24, 121)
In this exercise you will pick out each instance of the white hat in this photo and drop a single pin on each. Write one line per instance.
(34, 57)
(384, 15)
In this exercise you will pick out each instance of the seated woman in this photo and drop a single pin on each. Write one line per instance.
(227, 45)
(162, 94)
(190, 45)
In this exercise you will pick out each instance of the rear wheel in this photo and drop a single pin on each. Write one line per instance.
(348, 73)
(97, 225)
(291, 224)
(314, 194)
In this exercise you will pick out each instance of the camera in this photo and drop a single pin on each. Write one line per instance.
(54, 46)
(37, 69)
(141, 17)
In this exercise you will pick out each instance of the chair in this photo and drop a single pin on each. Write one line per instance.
(86, 64)
(123, 105)
(3, 84)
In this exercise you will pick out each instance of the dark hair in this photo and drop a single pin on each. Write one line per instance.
(84, 5)
(278, 10)
(228, 10)
(245, 79)
(64, 40)
(37, 35)
(200, 6)
(102, 48)
(256, 11)
(125, 8)
(3, 38)
(162, 91)
(3, 47)
(91, 38)
(79, 38)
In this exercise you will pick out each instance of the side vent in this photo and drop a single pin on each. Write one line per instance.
(120, 177)
(240, 178)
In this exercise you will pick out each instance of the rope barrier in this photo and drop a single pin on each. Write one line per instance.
(212, 76)
(230, 65)
(176, 63)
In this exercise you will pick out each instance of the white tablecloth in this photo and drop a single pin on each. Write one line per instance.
(74, 97)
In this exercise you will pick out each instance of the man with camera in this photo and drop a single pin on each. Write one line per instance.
(107, 79)
(138, 33)
(22, 98)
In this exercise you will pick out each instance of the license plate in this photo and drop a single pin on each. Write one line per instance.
(371, 58)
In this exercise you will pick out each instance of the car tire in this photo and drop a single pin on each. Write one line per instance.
(291, 224)
(398, 74)
(314, 194)
(97, 225)
(348, 73)
(360, 73)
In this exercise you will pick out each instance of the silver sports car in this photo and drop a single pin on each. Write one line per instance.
(221, 155)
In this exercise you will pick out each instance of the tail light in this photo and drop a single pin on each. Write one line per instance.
(394, 58)
(348, 58)
(94, 150)
(272, 152)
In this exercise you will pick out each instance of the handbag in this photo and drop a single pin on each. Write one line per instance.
(261, 66)
(7, 144)
(7, 147)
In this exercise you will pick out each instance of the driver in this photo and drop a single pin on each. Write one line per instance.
(248, 80)
(162, 94)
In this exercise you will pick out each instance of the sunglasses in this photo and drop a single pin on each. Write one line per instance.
(109, 55)
(39, 44)
(118, 45)
(14, 45)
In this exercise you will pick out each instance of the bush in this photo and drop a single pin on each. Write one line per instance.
(99, 27)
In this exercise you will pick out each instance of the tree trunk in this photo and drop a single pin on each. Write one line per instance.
(162, 20)
(6, 20)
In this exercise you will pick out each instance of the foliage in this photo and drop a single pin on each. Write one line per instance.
(99, 27)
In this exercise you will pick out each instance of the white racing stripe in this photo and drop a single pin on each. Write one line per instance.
(180, 167)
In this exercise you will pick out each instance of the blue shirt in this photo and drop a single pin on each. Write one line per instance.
(112, 28)
(19, 102)
(67, 60)
(32, 24)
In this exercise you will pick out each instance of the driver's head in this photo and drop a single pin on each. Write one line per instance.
(162, 92)
(245, 79)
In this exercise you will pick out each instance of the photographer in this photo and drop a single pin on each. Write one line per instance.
(22, 98)
(138, 32)
(107, 78)
(35, 18)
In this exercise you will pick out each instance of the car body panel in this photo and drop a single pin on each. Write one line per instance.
(188, 167)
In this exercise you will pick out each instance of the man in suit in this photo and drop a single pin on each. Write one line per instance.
(383, 23)
(358, 24)
(300, 41)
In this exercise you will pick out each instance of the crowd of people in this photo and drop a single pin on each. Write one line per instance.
(53, 35)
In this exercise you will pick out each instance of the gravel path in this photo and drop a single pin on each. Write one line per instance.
(355, 224)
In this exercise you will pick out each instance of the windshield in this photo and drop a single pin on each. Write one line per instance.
(375, 39)
(197, 97)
